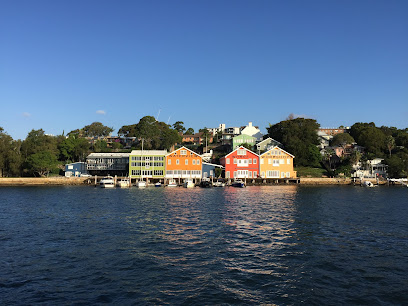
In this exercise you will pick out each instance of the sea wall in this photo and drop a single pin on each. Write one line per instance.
(41, 181)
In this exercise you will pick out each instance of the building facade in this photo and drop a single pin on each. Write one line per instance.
(241, 139)
(147, 164)
(276, 163)
(241, 163)
(183, 163)
(108, 163)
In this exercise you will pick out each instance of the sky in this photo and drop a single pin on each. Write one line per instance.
(66, 64)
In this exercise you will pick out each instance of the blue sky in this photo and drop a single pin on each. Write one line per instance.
(66, 64)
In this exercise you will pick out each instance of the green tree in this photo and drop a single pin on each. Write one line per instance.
(10, 155)
(96, 129)
(342, 139)
(390, 143)
(42, 162)
(37, 141)
(179, 126)
(299, 136)
(370, 137)
(73, 149)
(189, 131)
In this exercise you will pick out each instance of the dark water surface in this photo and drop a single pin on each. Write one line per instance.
(284, 245)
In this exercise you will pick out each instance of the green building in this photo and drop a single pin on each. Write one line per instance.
(147, 164)
(241, 139)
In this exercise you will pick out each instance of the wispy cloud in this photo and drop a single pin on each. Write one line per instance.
(26, 114)
(101, 112)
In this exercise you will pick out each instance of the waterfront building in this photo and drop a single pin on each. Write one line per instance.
(209, 169)
(108, 163)
(241, 139)
(183, 163)
(276, 163)
(75, 169)
(147, 164)
(241, 163)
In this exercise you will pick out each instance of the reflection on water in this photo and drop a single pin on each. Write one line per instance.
(256, 245)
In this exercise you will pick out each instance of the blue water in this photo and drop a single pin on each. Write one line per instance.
(284, 245)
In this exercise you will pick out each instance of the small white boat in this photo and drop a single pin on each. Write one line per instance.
(123, 183)
(107, 182)
(141, 184)
(158, 184)
(219, 184)
(367, 184)
(172, 183)
(238, 183)
(188, 183)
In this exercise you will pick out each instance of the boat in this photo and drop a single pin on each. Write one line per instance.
(141, 184)
(107, 182)
(188, 183)
(238, 183)
(158, 184)
(172, 183)
(219, 184)
(205, 183)
(367, 184)
(123, 183)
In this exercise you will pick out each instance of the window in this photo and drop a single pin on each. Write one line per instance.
(269, 161)
(198, 161)
(281, 161)
(158, 172)
(186, 161)
(235, 161)
(177, 162)
(235, 173)
(254, 173)
(241, 152)
(135, 172)
(262, 161)
(250, 161)
(287, 174)
(283, 174)
(227, 174)
(183, 152)
(288, 161)
(250, 173)
(254, 161)
(194, 161)
(273, 173)
(169, 162)
(276, 162)
(227, 160)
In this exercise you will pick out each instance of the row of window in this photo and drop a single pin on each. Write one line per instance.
(148, 158)
(194, 162)
(275, 174)
(242, 162)
(147, 164)
(148, 173)
(253, 174)
(183, 172)
(276, 162)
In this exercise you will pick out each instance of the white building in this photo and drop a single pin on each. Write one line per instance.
(253, 131)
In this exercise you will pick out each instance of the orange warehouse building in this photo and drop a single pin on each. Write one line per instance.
(183, 163)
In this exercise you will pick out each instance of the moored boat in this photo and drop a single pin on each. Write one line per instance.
(107, 182)
(123, 183)
(158, 184)
(219, 183)
(238, 183)
(141, 184)
(172, 183)
(188, 183)
(206, 183)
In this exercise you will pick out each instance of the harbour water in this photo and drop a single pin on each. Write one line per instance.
(283, 245)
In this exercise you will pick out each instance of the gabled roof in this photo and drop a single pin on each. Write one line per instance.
(240, 147)
(184, 148)
(269, 138)
(148, 152)
(276, 147)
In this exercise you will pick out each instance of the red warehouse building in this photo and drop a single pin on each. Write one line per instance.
(241, 163)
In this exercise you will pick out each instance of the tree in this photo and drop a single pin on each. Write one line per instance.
(73, 149)
(190, 131)
(96, 129)
(370, 137)
(42, 162)
(10, 155)
(390, 143)
(299, 136)
(179, 126)
(342, 140)
(37, 141)
(156, 134)
(248, 146)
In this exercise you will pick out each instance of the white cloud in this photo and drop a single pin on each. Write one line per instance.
(26, 114)
(101, 112)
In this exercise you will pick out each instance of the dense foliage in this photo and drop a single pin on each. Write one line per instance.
(299, 136)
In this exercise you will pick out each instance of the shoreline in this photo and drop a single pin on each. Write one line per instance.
(78, 181)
